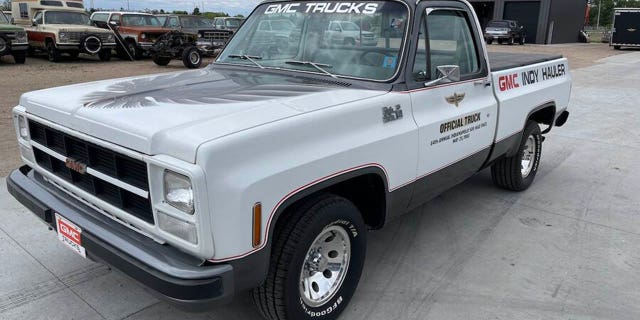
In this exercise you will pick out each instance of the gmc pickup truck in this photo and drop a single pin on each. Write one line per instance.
(267, 169)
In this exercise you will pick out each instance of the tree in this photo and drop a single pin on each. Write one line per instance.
(606, 10)
(196, 11)
(239, 16)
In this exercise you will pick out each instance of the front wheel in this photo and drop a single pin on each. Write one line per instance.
(105, 55)
(316, 262)
(20, 57)
(192, 58)
(53, 54)
(489, 41)
(161, 61)
(518, 172)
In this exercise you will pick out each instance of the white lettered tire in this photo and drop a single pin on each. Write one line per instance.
(316, 262)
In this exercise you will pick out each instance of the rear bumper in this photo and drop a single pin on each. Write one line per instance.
(171, 274)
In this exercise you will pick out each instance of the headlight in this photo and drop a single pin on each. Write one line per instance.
(200, 35)
(111, 37)
(143, 36)
(21, 37)
(23, 127)
(64, 37)
(178, 192)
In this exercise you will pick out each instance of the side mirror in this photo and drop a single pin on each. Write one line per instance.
(448, 73)
(114, 23)
(34, 22)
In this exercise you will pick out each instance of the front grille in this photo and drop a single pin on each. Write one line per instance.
(130, 171)
(10, 35)
(217, 36)
(76, 37)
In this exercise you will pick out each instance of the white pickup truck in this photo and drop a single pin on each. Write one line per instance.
(266, 169)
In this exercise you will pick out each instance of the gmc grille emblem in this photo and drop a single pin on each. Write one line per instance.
(76, 166)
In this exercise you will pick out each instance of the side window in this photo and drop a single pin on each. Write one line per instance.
(173, 22)
(24, 10)
(420, 65)
(115, 17)
(451, 41)
(39, 18)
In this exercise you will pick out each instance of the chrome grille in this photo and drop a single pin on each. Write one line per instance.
(128, 171)
(76, 37)
(217, 36)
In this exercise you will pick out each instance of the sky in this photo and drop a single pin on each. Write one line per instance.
(231, 7)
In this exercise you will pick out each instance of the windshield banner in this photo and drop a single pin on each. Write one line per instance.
(324, 7)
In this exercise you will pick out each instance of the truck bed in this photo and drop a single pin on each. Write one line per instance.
(504, 60)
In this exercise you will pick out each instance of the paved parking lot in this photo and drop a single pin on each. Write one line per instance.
(566, 249)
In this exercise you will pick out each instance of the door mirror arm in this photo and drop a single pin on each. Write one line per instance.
(449, 73)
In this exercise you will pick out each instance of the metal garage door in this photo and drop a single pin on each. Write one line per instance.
(525, 12)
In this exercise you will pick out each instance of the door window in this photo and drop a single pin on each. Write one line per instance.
(38, 18)
(451, 42)
(173, 22)
(115, 17)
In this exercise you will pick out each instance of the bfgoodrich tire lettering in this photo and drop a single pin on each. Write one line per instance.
(509, 173)
(280, 296)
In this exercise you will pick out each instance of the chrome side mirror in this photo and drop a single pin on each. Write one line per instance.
(448, 73)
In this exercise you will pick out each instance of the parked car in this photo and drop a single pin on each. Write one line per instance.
(349, 33)
(209, 39)
(228, 23)
(505, 31)
(267, 173)
(58, 29)
(139, 31)
(177, 45)
(626, 28)
(13, 40)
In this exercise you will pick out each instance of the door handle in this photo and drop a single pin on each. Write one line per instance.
(484, 82)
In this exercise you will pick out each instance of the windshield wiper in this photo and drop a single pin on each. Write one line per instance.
(247, 57)
(319, 66)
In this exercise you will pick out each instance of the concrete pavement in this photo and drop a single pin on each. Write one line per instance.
(568, 248)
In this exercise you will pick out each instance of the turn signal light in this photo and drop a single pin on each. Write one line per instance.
(257, 225)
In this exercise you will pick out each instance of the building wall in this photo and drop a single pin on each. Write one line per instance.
(568, 19)
(563, 17)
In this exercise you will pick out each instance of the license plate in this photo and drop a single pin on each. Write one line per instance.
(70, 235)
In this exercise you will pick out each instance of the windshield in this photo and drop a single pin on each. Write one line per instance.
(232, 23)
(140, 20)
(65, 17)
(4, 19)
(306, 37)
(195, 22)
(498, 24)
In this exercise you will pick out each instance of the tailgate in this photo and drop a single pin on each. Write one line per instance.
(523, 90)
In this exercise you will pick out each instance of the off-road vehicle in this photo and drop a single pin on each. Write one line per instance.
(209, 39)
(177, 45)
(13, 40)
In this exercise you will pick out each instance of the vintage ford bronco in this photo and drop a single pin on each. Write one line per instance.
(58, 27)
(266, 170)
(13, 41)
(139, 31)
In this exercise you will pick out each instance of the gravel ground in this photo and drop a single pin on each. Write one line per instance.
(38, 73)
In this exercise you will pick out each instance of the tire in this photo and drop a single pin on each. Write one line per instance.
(513, 173)
(136, 53)
(31, 52)
(489, 41)
(105, 55)
(500, 41)
(192, 58)
(53, 54)
(511, 41)
(312, 223)
(161, 61)
(4, 46)
(522, 40)
(350, 42)
(20, 57)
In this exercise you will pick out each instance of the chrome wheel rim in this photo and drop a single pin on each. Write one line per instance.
(194, 57)
(529, 156)
(325, 266)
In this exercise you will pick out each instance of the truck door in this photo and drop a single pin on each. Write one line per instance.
(456, 118)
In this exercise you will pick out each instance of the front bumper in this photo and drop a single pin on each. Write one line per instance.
(19, 47)
(171, 274)
(496, 36)
(78, 47)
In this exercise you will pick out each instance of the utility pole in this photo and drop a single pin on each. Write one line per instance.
(599, 6)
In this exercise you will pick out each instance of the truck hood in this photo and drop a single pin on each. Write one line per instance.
(75, 28)
(175, 113)
(9, 28)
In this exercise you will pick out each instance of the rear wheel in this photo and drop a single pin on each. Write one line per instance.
(192, 58)
(20, 57)
(161, 61)
(522, 40)
(511, 41)
(133, 49)
(518, 172)
(316, 261)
